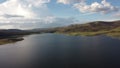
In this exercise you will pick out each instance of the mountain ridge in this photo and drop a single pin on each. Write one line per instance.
(90, 28)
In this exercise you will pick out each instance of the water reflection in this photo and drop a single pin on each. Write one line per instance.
(59, 51)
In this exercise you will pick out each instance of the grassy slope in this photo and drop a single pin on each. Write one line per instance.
(108, 33)
(10, 40)
(5, 41)
(92, 29)
(114, 32)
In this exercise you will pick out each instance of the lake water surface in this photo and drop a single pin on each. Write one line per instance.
(61, 51)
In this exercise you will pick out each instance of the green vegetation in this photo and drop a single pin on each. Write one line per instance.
(108, 33)
(4, 41)
(114, 32)
(9, 40)
(93, 29)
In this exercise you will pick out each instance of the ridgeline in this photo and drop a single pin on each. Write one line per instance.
(88, 29)
(92, 29)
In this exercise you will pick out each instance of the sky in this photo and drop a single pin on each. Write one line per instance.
(29, 14)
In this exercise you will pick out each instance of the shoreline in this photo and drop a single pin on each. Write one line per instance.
(115, 34)
(10, 40)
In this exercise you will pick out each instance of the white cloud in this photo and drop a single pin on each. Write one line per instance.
(36, 3)
(103, 7)
(6, 26)
(47, 22)
(25, 8)
(117, 14)
(69, 1)
(12, 16)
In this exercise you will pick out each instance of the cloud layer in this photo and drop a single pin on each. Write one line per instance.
(103, 7)
(35, 23)
(69, 1)
(38, 8)
(24, 8)
(117, 14)
(82, 6)
(27, 14)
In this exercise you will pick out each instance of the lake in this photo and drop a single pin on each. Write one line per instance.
(61, 51)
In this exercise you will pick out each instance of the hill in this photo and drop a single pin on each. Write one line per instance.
(92, 28)
(88, 29)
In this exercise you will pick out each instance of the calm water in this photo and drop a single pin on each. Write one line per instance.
(60, 51)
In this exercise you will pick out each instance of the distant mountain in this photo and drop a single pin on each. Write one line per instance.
(91, 26)
(11, 32)
(4, 33)
(43, 30)
(92, 29)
